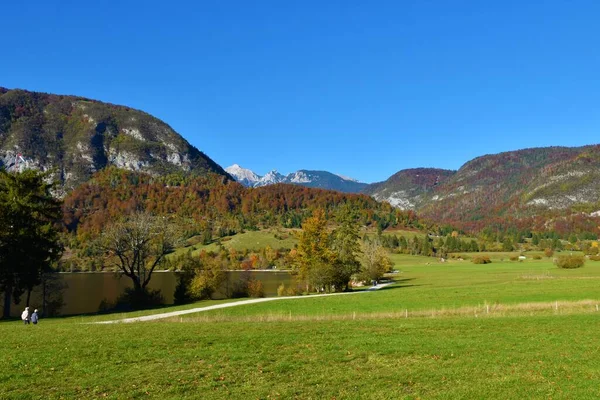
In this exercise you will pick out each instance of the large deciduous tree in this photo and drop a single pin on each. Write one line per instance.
(137, 245)
(29, 242)
(327, 260)
(344, 243)
(375, 261)
(314, 255)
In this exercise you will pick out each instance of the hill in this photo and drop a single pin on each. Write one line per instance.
(408, 189)
(538, 187)
(76, 137)
(215, 204)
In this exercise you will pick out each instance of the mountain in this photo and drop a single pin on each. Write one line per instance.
(76, 137)
(528, 183)
(313, 179)
(325, 180)
(408, 189)
(244, 176)
(271, 178)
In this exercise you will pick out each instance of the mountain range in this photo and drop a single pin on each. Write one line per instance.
(74, 137)
(313, 179)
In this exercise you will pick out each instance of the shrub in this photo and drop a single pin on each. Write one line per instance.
(255, 288)
(570, 262)
(537, 257)
(293, 290)
(481, 260)
(548, 253)
(281, 290)
(139, 300)
(595, 258)
(514, 258)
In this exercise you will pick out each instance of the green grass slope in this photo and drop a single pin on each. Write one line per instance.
(353, 346)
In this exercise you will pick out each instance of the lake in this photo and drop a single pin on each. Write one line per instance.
(85, 291)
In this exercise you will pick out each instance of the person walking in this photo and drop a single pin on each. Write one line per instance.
(25, 316)
(34, 317)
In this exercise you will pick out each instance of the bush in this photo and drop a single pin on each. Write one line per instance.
(481, 260)
(281, 290)
(134, 300)
(537, 257)
(256, 289)
(570, 262)
(514, 258)
(548, 253)
(595, 258)
(294, 290)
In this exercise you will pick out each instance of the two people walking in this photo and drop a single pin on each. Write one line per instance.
(26, 317)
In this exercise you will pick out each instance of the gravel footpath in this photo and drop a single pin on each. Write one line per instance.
(227, 305)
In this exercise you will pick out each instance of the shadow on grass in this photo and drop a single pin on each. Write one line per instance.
(398, 284)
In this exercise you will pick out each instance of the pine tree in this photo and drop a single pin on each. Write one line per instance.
(29, 242)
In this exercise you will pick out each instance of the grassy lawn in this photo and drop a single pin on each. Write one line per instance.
(426, 284)
(354, 346)
(494, 358)
(252, 240)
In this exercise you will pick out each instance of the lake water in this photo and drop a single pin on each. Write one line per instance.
(86, 290)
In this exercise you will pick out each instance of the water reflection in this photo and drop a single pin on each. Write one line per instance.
(85, 291)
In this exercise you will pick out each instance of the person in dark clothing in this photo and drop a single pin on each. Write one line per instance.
(34, 317)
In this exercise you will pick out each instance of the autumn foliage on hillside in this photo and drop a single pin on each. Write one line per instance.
(213, 202)
(542, 189)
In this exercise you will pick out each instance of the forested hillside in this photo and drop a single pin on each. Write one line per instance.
(75, 137)
(215, 203)
(552, 188)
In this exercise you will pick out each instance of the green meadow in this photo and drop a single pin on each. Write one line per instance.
(505, 330)
(251, 240)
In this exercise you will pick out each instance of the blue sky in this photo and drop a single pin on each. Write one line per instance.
(359, 88)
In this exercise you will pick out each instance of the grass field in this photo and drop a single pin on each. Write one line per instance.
(252, 240)
(506, 330)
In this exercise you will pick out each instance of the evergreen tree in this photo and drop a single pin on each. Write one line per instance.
(29, 242)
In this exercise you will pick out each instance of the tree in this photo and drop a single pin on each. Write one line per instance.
(137, 245)
(314, 256)
(29, 242)
(345, 246)
(375, 261)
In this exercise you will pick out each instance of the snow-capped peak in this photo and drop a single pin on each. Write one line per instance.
(347, 178)
(309, 178)
(299, 177)
(242, 175)
(270, 178)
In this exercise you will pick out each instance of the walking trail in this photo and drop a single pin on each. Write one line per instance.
(227, 305)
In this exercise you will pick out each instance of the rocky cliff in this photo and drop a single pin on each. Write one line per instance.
(75, 137)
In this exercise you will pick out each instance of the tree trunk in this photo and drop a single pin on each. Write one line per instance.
(137, 286)
(7, 303)
(28, 297)
(43, 294)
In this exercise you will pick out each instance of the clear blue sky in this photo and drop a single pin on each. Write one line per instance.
(360, 88)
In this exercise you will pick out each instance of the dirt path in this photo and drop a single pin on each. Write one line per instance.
(227, 305)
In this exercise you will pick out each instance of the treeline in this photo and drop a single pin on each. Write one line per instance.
(214, 206)
(428, 246)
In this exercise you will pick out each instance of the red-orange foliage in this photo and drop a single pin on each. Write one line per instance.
(202, 200)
